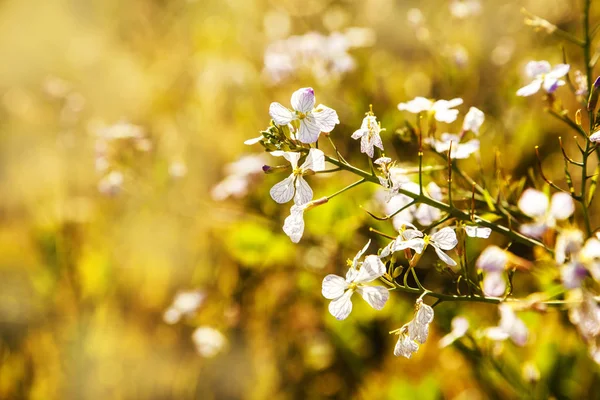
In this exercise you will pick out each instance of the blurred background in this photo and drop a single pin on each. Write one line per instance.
(138, 262)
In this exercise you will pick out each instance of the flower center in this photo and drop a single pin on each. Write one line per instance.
(297, 171)
(301, 115)
(353, 286)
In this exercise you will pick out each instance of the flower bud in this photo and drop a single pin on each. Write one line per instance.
(593, 99)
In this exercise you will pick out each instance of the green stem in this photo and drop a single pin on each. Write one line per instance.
(346, 188)
(456, 213)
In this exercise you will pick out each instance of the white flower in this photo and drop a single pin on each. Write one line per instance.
(239, 175)
(405, 346)
(544, 76)
(493, 261)
(425, 214)
(111, 184)
(382, 161)
(209, 341)
(184, 304)
(418, 328)
(475, 231)
(313, 120)
(294, 186)
(568, 244)
(473, 120)
(545, 213)
(460, 325)
(369, 135)
(293, 225)
(340, 290)
(415, 332)
(459, 150)
(510, 327)
(441, 109)
(595, 137)
(444, 239)
(585, 315)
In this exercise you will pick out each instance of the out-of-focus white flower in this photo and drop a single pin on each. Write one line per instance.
(441, 110)
(415, 332)
(444, 239)
(111, 184)
(585, 314)
(510, 327)
(426, 214)
(184, 304)
(473, 120)
(293, 225)
(544, 76)
(209, 341)
(121, 130)
(177, 169)
(340, 290)
(493, 261)
(325, 57)
(475, 231)
(545, 213)
(465, 8)
(581, 85)
(590, 256)
(459, 150)
(239, 175)
(369, 135)
(595, 137)
(294, 186)
(313, 120)
(460, 326)
(568, 243)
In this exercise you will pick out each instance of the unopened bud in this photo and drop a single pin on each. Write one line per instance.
(267, 169)
(316, 203)
(578, 117)
(594, 92)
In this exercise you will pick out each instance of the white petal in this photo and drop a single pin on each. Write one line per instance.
(333, 286)
(309, 130)
(252, 141)
(359, 254)
(561, 206)
(325, 117)
(371, 269)
(550, 84)
(303, 100)
(496, 334)
(283, 191)
(417, 105)
(418, 332)
(293, 226)
(559, 71)
(304, 193)
(426, 215)
(405, 346)
(359, 133)
(535, 68)
(366, 146)
(445, 238)
(315, 161)
(280, 114)
(535, 230)
(533, 203)
(494, 284)
(595, 137)
(492, 259)
(424, 314)
(376, 296)
(464, 150)
(530, 89)
(473, 120)
(444, 257)
(292, 157)
(478, 231)
(434, 191)
(446, 115)
(510, 323)
(408, 234)
(572, 274)
(417, 244)
(341, 307)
